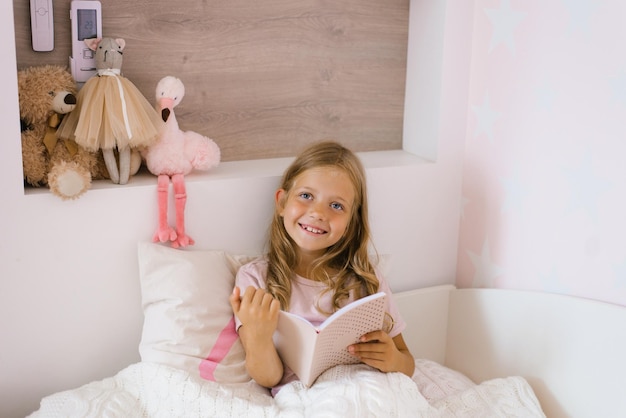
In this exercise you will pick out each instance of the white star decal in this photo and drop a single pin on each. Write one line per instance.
(515, 192)
(618, 88)
(620, 274)
(586, 188)
(580, 12)
(553, 282)
(504, 21)
(545, 96)
(485, 270)
(485, 119)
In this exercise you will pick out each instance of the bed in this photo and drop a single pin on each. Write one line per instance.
(479, 353)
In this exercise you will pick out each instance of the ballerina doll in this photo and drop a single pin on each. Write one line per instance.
(111, 114)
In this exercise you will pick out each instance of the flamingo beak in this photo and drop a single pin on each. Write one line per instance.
(166, 104)
(165, 114)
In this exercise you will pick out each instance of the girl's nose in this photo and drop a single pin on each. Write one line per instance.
(317, 211)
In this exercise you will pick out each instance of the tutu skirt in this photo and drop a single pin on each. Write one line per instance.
(111, 112)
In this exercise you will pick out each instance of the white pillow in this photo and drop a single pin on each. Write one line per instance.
(188, 321)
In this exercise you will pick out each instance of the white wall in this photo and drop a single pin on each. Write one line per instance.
(544, 156)
(70, 301)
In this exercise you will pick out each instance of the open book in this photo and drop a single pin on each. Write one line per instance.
(309, 351)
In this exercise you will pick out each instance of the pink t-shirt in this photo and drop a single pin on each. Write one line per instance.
(306, 296)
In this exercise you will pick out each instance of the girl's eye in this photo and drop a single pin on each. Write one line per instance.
(337, 206)
(305, 195)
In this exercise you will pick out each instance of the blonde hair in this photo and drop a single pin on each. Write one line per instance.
(348, 259)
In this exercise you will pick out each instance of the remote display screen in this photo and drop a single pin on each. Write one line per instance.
(87, 24)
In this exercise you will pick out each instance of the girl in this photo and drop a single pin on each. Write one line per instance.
(318, 261)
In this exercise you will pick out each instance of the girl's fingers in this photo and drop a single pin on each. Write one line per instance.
(275, 307)
(259, 301)
(248, 294)
(375, 336)
(235, 299)
(259, 296)
(267, 301)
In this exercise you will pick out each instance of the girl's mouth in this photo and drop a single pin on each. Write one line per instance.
(312, 229)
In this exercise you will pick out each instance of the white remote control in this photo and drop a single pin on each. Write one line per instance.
(42, 25)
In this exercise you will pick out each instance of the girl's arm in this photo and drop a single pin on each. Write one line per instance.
(258, 313)
(379, 350)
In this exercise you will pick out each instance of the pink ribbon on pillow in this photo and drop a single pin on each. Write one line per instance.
(220, 349)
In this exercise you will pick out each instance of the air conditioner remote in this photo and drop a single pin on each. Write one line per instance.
(86, 21)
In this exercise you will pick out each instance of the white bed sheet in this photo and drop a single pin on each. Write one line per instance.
(153, 390)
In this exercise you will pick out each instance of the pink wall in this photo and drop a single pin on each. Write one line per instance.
(544, 181)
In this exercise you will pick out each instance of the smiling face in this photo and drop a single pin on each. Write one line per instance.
(317, 210)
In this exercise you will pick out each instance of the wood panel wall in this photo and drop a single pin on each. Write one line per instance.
(262, 78)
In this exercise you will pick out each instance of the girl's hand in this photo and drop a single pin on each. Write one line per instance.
(257, 310)
(379, 350)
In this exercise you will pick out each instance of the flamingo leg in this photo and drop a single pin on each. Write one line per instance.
(180, 194)
(164, 232)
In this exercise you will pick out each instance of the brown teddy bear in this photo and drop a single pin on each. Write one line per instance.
(46, 94)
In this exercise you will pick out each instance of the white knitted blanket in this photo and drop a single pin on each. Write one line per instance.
(152, 390)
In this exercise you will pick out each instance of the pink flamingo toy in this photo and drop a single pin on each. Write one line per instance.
(175, 154)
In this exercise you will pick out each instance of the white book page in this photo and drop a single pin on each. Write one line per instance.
(295, 340)
(309, 351)
(336, 334)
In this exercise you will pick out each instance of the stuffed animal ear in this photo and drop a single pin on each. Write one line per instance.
(92, 43)
(121, 43)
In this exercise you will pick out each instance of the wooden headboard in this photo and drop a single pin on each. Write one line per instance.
(263, 78)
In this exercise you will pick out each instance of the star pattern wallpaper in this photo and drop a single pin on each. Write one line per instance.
(544, 176)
